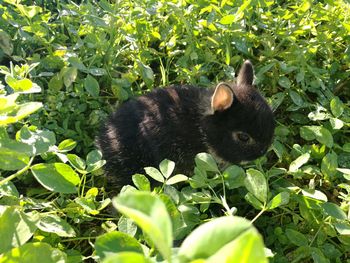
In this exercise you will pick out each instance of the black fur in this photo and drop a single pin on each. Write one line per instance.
(180, 121)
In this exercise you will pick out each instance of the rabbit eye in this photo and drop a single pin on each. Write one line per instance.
(242, 136)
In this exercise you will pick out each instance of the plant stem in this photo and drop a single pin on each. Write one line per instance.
(18, 173)
(257, 216)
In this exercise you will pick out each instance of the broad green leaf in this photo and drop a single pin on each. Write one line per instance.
(141, 182)
(284, 82)
(209, 238)
(19, 112)
(91, 85)
(76, 162)
(34, 252)
(127, 257)
(127, 226)
(146, 73)
(29, 11)
(329, 165)
(256, 184)
(8, 189)
(87, 204)
(5, 43)
(116, 242)
(234, 176)
(41, 140)
(334, 211)
(300, 161)
(19, 85)
(151, 215)
(56, 177)
(67, 145)
(315, 194)
(154, 173)
(11, 160)
(57, 225)
(337, 107)
(247, 248)
(342, 228)
(16, 228)
(166, 167)
(336, 124)
(228, 19)
(296, 237)
(346, 147)
(250, 198)
(176, 179)
(278, 200)
(296, 98)
(206, 162)
(93, 161)
(319, 133)
(69, 75)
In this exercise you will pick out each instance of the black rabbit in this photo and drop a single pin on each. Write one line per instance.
(233, 122)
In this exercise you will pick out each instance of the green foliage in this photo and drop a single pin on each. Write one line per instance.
(64, 66)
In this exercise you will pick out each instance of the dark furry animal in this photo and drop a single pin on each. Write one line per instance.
(232, 121)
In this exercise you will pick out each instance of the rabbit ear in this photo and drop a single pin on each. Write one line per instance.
(246, 74)
(222, 98)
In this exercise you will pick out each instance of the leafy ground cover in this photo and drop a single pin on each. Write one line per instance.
(66, 65)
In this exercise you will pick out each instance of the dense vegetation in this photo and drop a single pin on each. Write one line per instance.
(65, 66)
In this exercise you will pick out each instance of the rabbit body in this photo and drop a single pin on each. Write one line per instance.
(233, 122)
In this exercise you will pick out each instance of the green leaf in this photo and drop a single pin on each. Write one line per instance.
(76, 162)
(234, 176)
(127, 257)
(40, 140)
(69, 75)
(146, 73)
(19, 112)
(16, 228)
(319, 133)
(337, 107)
(300, 161)
(334, 211)
(151, 215)
(93, 161)
(67, 145)
(91, 85)
(346, 147)
(279, 200)
(176, 179)
(336, 124)
(166, 167)
(342, 228)
(329, 165)
(155, 174)
(141, 182)
(55, 224)
(34, 252)
(250, 198)
(256, 184)
(246, 248)
(227, 20)
(5, 43)
(11, 156)
(56, 177)
(116, 242)
(206, 162)
(284, 82)
(127, 226)
(211, 238)
(296, 237)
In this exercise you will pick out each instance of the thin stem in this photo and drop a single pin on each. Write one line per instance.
(258, 215)
(18, 173)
